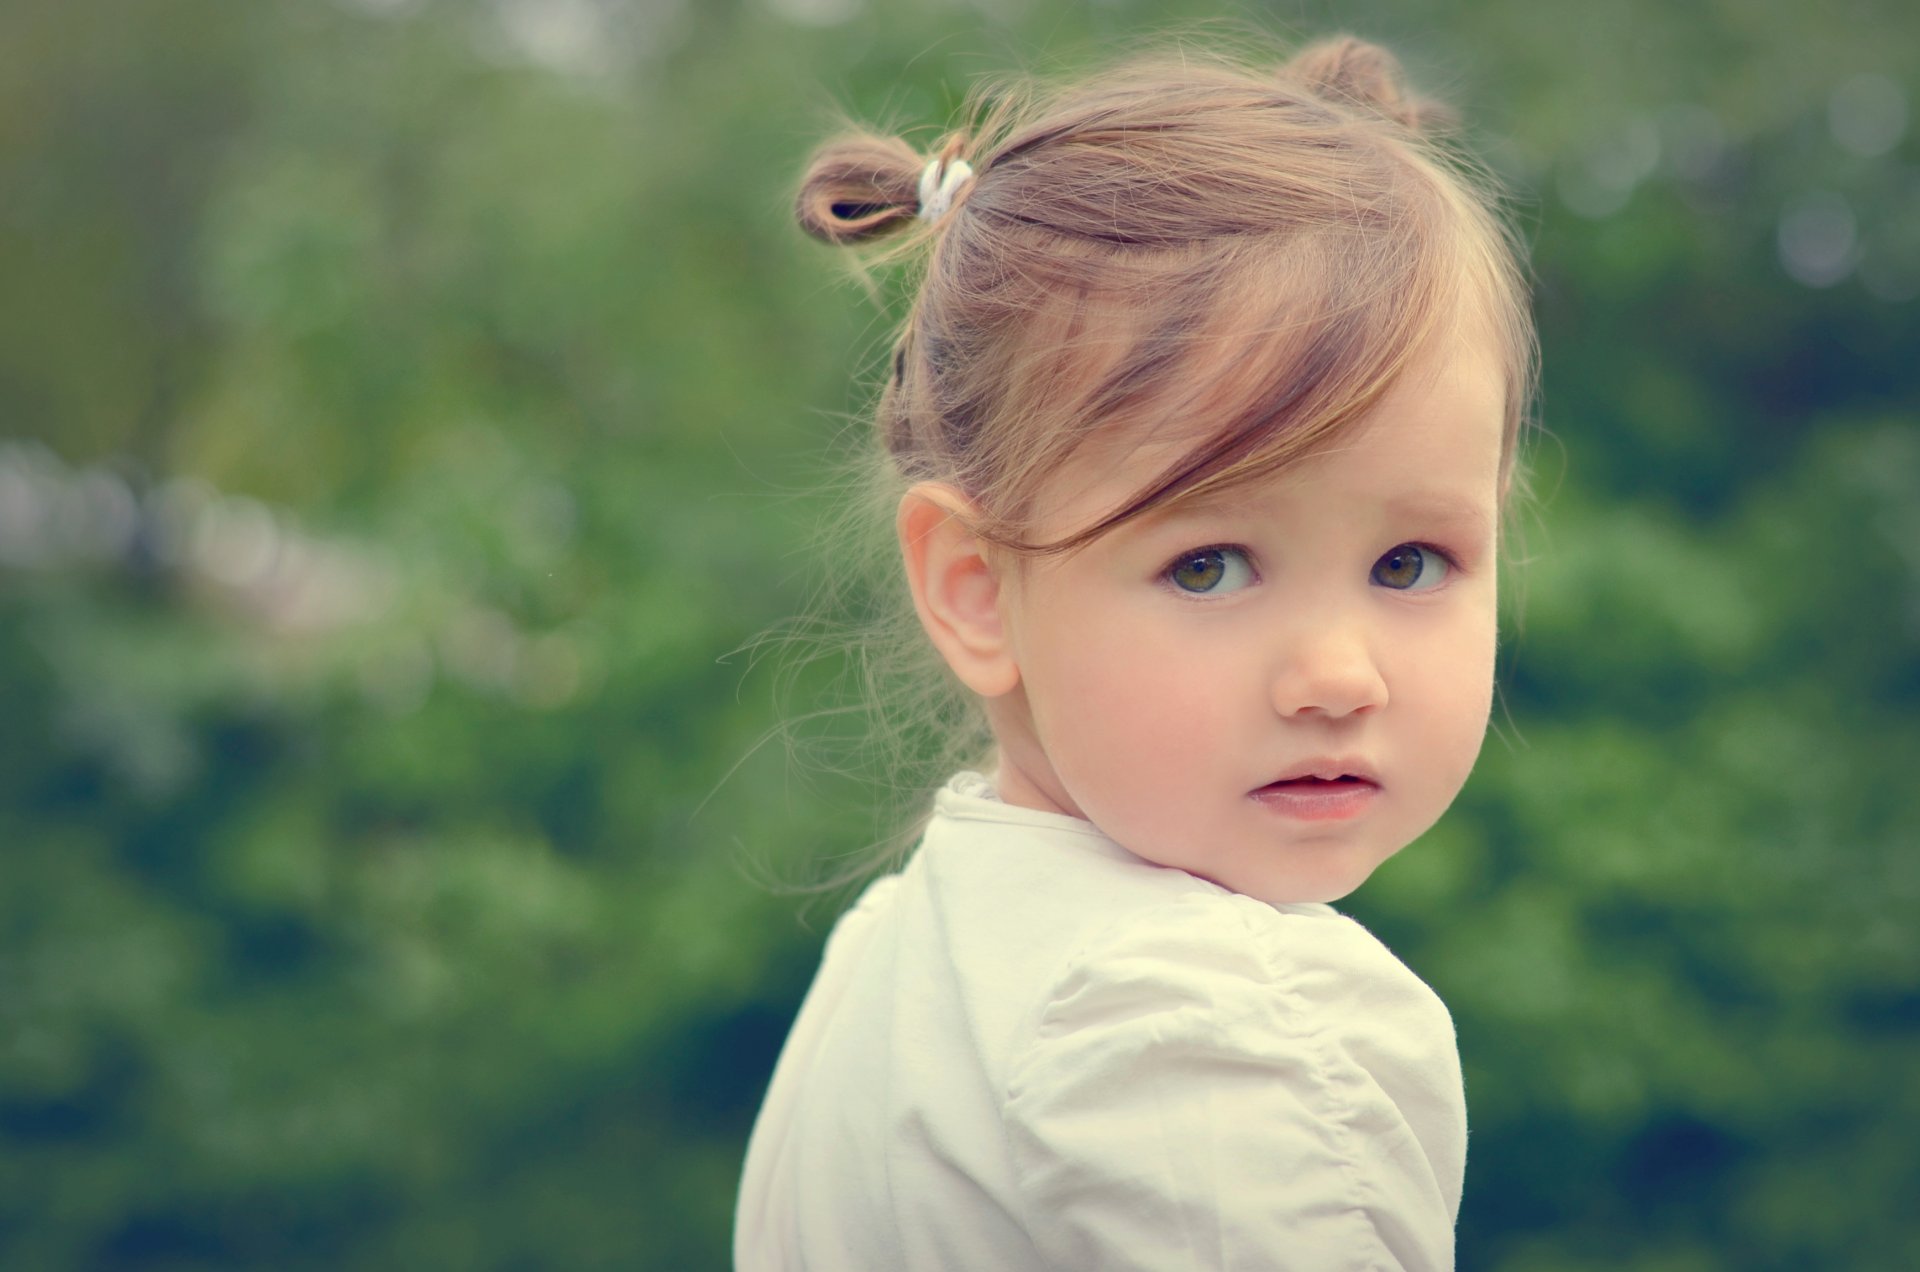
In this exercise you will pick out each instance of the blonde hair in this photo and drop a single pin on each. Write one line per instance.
(1183, 240)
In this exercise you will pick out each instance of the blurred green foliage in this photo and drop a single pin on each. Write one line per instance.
(406, 407)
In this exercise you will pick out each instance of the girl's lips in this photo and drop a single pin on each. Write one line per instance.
(1318, 799)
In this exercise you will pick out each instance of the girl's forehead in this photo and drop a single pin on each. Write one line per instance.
(1448, 404)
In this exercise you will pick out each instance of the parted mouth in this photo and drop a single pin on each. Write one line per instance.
(1325, 773)
(1327, 790)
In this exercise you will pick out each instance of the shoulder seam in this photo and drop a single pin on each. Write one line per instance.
(1311, 1031)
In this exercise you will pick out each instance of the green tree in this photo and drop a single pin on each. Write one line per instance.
(405, 408)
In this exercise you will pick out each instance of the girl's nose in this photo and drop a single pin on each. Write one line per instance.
(1330, 673)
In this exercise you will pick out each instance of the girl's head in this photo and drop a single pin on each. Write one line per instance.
(1197, 346)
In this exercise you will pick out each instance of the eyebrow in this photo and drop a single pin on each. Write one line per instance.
(1437, 506)
(1441, 506)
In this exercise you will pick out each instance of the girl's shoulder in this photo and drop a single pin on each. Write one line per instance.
(1275, 1069)
(1246, 965)
(1046, 903)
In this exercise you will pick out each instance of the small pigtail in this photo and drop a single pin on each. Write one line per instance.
(859, 187)
(862, 186)
(1349, 70)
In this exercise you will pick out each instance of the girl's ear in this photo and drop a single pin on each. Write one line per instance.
(955, 589)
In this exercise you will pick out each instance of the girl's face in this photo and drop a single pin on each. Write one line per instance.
(1279, 688)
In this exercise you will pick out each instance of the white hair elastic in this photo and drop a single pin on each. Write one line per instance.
(938, 187)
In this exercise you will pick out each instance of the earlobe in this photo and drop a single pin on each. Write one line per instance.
(955, 588)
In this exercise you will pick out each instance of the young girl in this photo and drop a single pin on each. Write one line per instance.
(1202, 423)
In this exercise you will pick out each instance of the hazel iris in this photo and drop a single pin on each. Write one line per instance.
(1200, 571)
(1407, 566)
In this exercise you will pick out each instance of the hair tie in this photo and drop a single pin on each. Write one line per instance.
(938, 187)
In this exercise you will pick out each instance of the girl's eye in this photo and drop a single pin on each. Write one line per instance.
(1211, 571)
(1411, 568)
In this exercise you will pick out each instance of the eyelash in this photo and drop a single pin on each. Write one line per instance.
(1448, 561)
(1451, 561)
(1181, 558)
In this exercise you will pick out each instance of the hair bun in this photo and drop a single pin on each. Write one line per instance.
(1351, 70)
(858, 187)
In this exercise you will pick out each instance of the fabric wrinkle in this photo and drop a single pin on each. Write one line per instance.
(1063, 1056)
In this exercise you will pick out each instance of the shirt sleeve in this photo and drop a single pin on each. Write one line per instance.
(1226, 1085)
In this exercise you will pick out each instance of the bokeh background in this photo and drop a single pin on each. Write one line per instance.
(411, 411)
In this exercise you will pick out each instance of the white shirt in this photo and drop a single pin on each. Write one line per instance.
(1032, 1049)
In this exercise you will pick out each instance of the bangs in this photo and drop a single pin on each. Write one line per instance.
(1251, 360)
(1228, 271)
